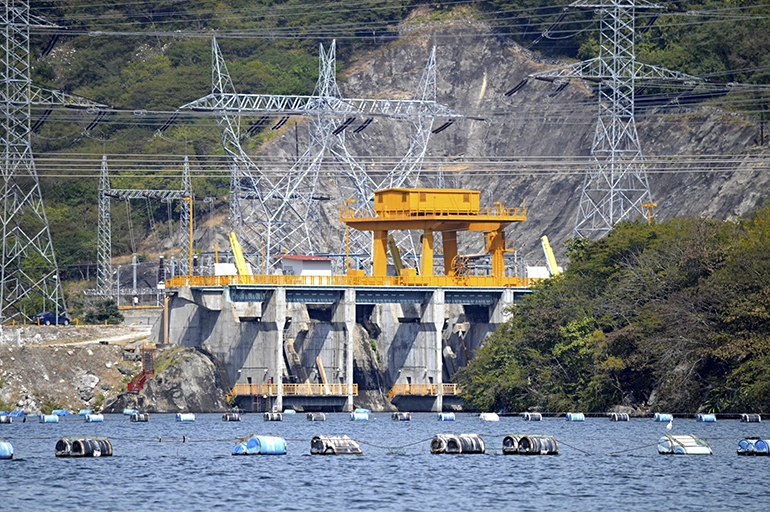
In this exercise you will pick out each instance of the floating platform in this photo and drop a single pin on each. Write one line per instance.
(529, 444)
(260, 445)
(457, 443)
(754, 446)
(334, 445)
(686, 444)
(83, 447)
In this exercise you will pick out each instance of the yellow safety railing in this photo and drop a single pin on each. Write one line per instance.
(291, 390)
(279, 280)
(422, 390)
(516, 213)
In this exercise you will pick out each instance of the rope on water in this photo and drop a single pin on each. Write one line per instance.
(633, 449)
(392, 447)
(574, 448)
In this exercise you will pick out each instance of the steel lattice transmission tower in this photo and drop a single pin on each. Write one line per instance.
(105, 282)
(616, 185)
(29, 275)
(276, 211)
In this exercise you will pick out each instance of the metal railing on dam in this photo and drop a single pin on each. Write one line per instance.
(422, 390)
(347, 280)
(271, 390)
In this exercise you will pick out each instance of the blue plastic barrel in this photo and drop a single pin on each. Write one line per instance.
(94, 418)
(289, 412)
(17, 413)
(762, 446)
(185, 417)
(129, 412)
(359, 415)
(706, 418)
(659, 416)
(83, 412)
(575, 416)
(6, 450)
(446, 416)
(49, 418)
(261, 445)
(60, 412)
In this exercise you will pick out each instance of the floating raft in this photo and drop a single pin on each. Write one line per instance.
(489, 416)
(401, 416)
(619, 416)
(316, 416)
(260, 445)
(83, 447)
(334, 445)
(706, 418)
(528, 444)
(446, 416)
(457, 443)
(185, 417)
(532, 416)
(754, 446)
(49, 418)
(231, 416)
(360, 415)
(659, 416)
(140, 417)
(273, 416)
(686, 444)
(575, 416)
(751, 418)
(6, 450)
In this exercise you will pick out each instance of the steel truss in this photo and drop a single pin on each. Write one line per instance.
(281, 213)
(29, 274)
(105, 280)
(616, 186)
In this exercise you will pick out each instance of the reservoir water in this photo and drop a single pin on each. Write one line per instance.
(601, 465)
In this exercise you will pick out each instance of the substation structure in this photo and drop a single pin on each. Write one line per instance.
(301, 341)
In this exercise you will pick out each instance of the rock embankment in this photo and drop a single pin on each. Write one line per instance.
(186, 380)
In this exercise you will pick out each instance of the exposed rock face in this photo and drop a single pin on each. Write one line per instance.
(191, 383)
(475, 70)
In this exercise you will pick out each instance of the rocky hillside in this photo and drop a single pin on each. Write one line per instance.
(476, 68)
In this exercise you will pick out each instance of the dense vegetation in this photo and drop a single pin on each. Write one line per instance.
(672, 316)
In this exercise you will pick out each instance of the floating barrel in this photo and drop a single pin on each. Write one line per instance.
(401, 416)
(576, 416)
(754, 446)
(489, 416)
(532, 416)
(273, 416)
(83, 412)
(185, 417)
(659, 416)
(686, 444)
(6, 450)
(316, 416)
(751, 418)
(289, 412)
(49, 418)
(17, 413)
(94, 418)
(334, 445)
(446, 416)
(521, 444)
(129, 412)
(706, 418)
(140, 417)
(83, 447)
(231, 416)
(60, 412)
(619, 416)
(6, 418)
(457, 443)
(360, 415)
(260, 445)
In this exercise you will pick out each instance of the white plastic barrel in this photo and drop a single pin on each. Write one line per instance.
(185, 417)
(360, 415)
(6, 450)
(533, 416)
(575, 416)
(446, 416)
(49, 418)
(316, 416)
(129, 412)
(94, 418)
(489, 416)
